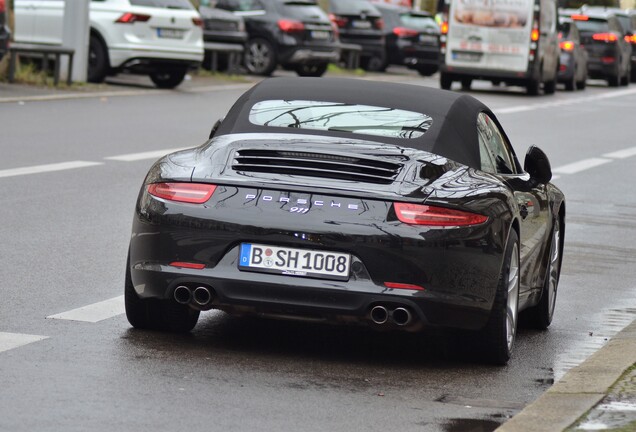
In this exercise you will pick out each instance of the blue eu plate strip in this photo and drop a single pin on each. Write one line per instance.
(246, 252)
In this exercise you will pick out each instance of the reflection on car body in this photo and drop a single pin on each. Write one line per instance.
(346, 201)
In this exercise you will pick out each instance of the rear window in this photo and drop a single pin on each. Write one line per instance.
(352, 7)
(419, 22)
(340, 117)
(593, 25)
(240, 5)
(170, 4)
(625, 21)
(301, 10)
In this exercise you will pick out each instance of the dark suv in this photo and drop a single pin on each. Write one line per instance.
(221, 27)
(360, 23)
(609, 54)
(4, 30)
(296, 34)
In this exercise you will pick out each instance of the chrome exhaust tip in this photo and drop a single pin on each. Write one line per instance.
(379, 314)
(202, 296)
(401, 316)
(182, 294)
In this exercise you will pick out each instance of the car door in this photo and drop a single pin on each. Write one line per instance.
(498, 158)
(49, 19)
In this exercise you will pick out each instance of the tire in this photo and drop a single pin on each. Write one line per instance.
(532, 87)
(260, 57)
(615, 80)
(427, 70)
(311, 70)
(496, 340)
(374, 63)
(570, 84)
(98, 63)
(549, 87)
(466, 83)
(632, 74)
(168, 77)
(580, 85)
(540, 316)
(445, 81)
(625, 79)
(154, 314)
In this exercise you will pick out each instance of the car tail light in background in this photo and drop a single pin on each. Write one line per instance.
(562, 68)
(131, 18)
(418, 214)
(197, 22)
(290, 26)
(608, 60)
(534, 35)
(580, 17)
(605, 37)
(444, 27)
(3, 6)
(338, 20)
(628, 38)
(193, 193)
(567, 45)
(379, 23)
(403, 32)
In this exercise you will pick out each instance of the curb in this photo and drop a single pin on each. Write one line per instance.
(580, 389)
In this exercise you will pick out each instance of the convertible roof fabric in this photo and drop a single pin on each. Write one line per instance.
(453, 133)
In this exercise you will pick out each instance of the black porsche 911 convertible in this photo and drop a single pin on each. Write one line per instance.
(356, 202)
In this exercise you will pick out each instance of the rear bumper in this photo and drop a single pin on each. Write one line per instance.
(124, 57)
(513, 78)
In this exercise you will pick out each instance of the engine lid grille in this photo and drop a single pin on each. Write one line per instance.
(323, 165)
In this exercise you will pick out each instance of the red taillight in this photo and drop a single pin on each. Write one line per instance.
(379, 23)
(562, 68)
(131, 18)
(197, 22)
(567, 45)
(397, 285)
(444, 28)
(188, 265)
(3, 7)
(608, 60)
(630, 38)
(194, 193)
(605, 37)
(580, 17)
(403, 32)
(290, 26)
(534, 35)
(417, 214)
(338, 20)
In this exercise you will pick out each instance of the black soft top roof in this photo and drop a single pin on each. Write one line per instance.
(453, 132)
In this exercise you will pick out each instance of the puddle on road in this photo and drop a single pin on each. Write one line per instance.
(471, 425)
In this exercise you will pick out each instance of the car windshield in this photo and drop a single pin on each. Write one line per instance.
(340, 117)
(170, 4)
(419, 22)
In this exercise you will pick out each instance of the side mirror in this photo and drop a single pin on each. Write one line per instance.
(537, 165)
(215, 127)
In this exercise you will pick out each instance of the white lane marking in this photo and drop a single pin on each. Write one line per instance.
(580, 165)
(622, 154)
(14, 340)
(37, 169)
(570, 101)
(156, 154)
(88, 95)
(94, 312)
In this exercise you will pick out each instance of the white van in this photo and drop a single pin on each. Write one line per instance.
(160, 38)
(511, 41)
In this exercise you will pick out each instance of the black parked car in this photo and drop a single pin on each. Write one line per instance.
(628, 21)
(573, 57)
(295, 34)
(221, 27)
(4, 29)
(412, 38)
(360, 23)
(354, 202)
(602, 35)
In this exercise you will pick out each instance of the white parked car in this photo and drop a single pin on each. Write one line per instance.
(160, 38)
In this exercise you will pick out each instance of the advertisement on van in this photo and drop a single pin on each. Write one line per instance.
(489, 34)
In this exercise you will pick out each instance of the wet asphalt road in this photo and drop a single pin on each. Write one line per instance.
(63, 245)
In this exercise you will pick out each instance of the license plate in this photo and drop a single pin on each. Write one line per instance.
(361, 24)
(170, 33)
(428, 39)
(319, 34)
(466, 56)
(294, 262)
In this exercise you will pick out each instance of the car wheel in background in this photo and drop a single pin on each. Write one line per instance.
(532, 87)
(168, 77)
(633, 74)
(260, 57)
(374, 63)
(549, 87)
(445, 81)
(154, 314)
(627, 77)
(311, 70)
(427, 70)
(98, 63)
(570, 84)
(466, 83)
(496, 340)
(540, 316)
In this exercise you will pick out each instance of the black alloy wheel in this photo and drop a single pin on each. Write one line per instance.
(168, 77)
(540, 316)
(311, 70)
(466, 83)
(427, 70)
(375, 63)
(260, 57)
(496, 340)
(152, 314)
(445, 81)
(98, 63)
